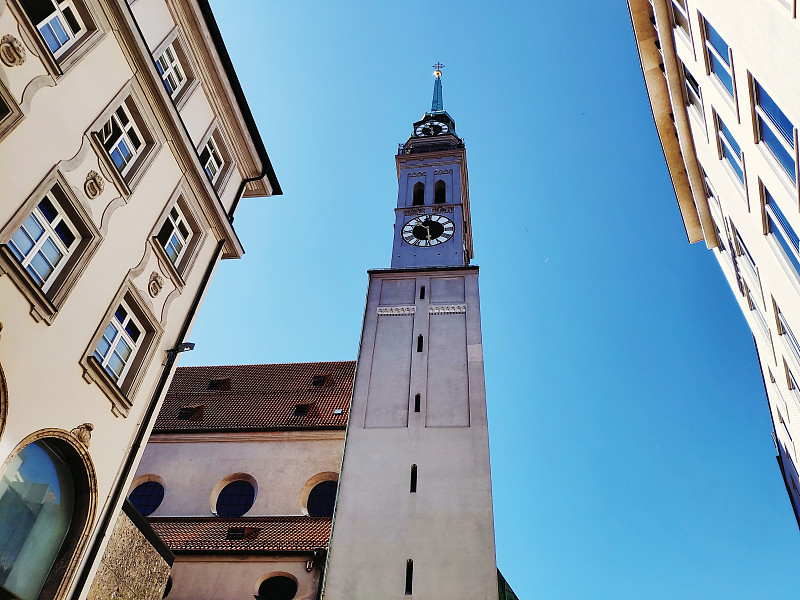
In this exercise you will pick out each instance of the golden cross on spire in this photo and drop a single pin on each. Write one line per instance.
(438, 69)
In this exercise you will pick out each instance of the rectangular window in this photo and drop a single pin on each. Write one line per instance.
(778, 227)
(46, 239)
(694, 98)
(730, 151)
(59, 22)
(171, 71)
(46, 244)
(680, 15)
(776, 131)
(211, 159)
(719, 57)
(174, 235)
(121, 138)
(119, 342)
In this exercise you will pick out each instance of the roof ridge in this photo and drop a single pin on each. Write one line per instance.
(322, 362)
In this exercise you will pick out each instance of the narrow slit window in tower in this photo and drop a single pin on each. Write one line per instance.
(419, 343)
(413, 489)
(419, 194)
(422, 292)
(409, 576)
(439, 192)
(416, 403)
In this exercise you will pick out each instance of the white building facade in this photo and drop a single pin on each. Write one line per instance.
(724, 85)
(126, 144)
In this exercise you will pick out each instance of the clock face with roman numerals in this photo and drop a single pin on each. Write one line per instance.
(428, 230)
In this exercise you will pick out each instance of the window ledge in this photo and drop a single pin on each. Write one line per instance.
(725, 93)
(782, 174)
(93, 372)
(111, 168)
(185, 93)
(42, 309)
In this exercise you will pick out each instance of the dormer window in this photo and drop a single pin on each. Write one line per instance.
(301, 410)
(222, 384)
(191, 413)
(318, 380)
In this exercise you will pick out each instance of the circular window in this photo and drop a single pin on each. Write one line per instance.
(235, 499)
(277, 588)
(321, 499)
(147, 497)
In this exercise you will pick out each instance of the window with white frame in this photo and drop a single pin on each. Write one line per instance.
(211, 159)
(776, 131)
(680, 15)
(46, 244)
(121, 138)
(175, 234)
(171, 71)
(694, 99)
(117, 346)
(729, 150)
(788, 334)
(59, 22)
(780, 230)
(46, 239)
(719, 59)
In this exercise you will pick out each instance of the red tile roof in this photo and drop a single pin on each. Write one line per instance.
(258, 397)
(266, 534)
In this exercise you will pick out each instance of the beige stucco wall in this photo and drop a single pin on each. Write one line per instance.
(45, 363)
(237, 577)
(192, 466)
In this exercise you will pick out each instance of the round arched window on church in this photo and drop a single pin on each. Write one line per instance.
(322, 499)
(277, 588)
(235, 499)
(37, 498)
(147, 497)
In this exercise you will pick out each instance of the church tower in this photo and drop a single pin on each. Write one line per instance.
(414, 511)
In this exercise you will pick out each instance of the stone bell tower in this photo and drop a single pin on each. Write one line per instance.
(414, 511)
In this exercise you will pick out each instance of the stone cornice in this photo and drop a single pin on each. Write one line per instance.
(248, 436)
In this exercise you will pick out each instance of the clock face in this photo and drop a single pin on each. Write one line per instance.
(428, 230)
(432, 128)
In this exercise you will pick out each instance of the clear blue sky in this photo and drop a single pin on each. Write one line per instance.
(630, 437)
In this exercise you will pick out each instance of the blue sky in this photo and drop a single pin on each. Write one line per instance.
(630, 436)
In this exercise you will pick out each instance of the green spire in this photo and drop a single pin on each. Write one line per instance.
(437, 104)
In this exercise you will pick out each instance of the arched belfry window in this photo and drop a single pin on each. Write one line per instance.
(439, 192)
(37, 506)
(419, 194)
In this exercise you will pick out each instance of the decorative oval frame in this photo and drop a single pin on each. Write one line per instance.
(225, 481)
(277, 574)
(311, 484)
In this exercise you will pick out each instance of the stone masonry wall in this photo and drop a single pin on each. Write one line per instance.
(131, 568)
